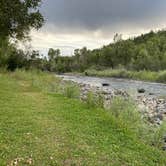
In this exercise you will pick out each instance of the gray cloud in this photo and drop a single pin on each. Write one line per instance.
(102, 14)
(73, 24)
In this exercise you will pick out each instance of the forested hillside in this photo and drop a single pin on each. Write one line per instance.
(146, 52)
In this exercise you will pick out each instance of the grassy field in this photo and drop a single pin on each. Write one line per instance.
(40, 126)
(121, 73)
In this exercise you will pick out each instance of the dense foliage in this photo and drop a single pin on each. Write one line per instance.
(17, 17)
(146, 52)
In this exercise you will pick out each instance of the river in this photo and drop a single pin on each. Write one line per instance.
(130, 86)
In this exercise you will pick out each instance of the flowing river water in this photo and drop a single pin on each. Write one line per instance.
(130, 86)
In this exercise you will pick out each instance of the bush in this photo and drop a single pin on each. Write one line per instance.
(94, 100)
(137, 75)
(158, 137)
(125, 110)
(130, 118)
(70, 90)
(162, 77)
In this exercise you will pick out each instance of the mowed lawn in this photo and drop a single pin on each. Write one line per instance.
(41, 128)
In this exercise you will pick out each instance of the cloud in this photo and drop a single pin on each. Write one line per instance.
(76, 23)
(101, 14)
(67, 43)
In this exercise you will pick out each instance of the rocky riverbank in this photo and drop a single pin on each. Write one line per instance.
(152, 108)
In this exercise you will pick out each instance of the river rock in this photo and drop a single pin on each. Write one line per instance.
(151, 107)
(151, 94)
(141, 90)
(164, 148)
(105, 84)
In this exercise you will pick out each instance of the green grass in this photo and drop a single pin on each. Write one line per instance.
(122, 73)
(41, 127)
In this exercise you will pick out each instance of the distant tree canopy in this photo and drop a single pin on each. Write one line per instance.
(17, 17)
(145, 52)
(53, 54)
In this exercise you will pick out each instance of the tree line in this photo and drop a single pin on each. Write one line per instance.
(18, 17)
(145, 52)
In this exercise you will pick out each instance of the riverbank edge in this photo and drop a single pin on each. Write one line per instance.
(151, 109)
(151, 76)
(147, 76)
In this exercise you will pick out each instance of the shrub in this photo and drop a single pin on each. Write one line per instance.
(162, 77)
(70, 90)
(130, 118)
(94, 100)
(158, 136)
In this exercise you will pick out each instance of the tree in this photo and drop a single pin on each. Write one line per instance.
(5, 51)
(53, 54)
(117, 37)
(107, 57)
(84, 52)
(16, 60)
(141, 61)
(17, 17)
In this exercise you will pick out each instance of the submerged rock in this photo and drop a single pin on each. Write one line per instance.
(151, 94)
(141, 90)
(105, 84)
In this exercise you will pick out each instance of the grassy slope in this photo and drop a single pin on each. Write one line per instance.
(121, 73)
(50, 129)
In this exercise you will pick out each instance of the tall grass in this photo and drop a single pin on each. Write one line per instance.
(130, 118)
(127, 114)
(71, 90)
(94, 100)
(158, 136)
(137, 75)
(37, 80)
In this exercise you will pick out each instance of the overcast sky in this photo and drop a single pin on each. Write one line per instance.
(73, 24)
